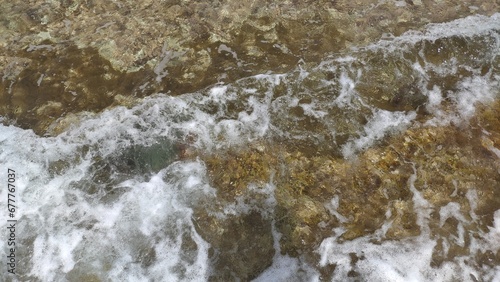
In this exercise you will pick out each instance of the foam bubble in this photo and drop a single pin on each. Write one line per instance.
(347, 91)
(369, 258)
(389, 261)
(467, 27)
(381, 123)
(473, 90)
(285, 268)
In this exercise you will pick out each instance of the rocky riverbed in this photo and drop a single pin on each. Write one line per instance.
(228, 141)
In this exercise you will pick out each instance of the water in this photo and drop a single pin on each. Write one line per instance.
(201, 186)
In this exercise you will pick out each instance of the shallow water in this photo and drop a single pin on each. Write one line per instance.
(279, 177)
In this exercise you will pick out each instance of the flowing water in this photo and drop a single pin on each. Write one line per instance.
(221, 184)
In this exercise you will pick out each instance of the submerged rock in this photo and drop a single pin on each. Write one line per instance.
(241, 246)
(48, 82)
(60, 58)
(455, 169)
(293, 190)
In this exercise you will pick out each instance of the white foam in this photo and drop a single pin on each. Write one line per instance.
(411, 259)
(285, 268)
(332, 207)
(310, 110)
(406, 260)
(59, 247)
(100, 229)
(260, 198)
(435, 98)
(52, 211)
(467, 27)
(347, 91)
(472, 197)
(474, 90)
(450, 210)
(380, 124)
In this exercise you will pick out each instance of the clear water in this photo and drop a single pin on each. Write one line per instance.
(114, 198)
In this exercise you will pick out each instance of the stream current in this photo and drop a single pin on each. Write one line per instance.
(121, 195)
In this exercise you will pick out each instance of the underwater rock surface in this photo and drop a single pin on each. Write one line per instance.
(66, 57)
(228, 141)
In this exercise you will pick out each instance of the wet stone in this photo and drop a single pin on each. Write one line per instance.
(374, 189)
(249, 250)
(60, 59)
(61, 79)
